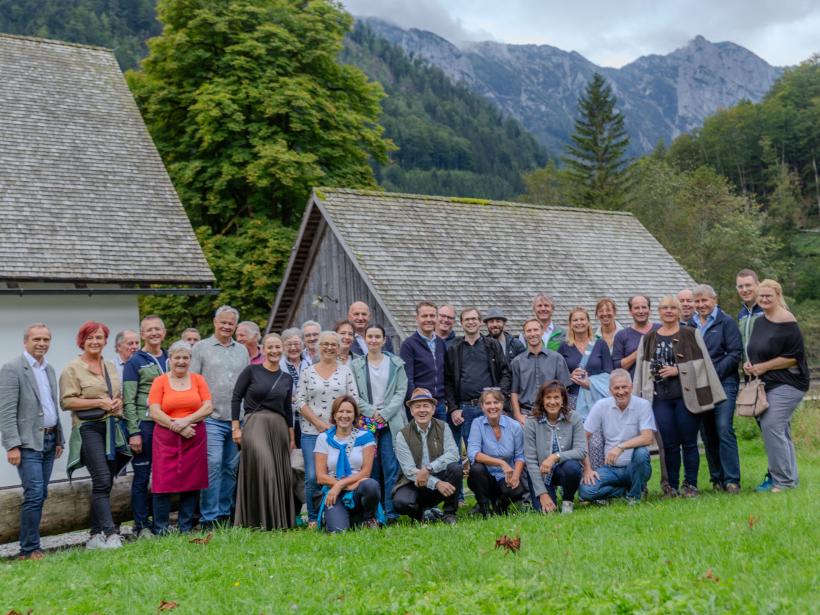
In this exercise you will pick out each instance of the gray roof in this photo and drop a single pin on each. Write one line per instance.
(489, 254)
(83, 192)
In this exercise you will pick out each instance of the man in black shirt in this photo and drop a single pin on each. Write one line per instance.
(474, 362)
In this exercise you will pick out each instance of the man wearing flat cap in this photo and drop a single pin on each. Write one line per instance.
(496, 321)
(429, 462)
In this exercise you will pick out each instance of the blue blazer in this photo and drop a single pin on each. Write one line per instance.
(423, 369)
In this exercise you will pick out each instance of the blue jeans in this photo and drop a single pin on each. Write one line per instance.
(469, 414)
(35, 472)
(719, 440)
(311, 488)
(617, 481)
(223, 459)
(338, 517)
(385, 469)
(679, 431)
(142, 476)
(162, 511)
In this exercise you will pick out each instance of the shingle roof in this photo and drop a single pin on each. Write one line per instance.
(83, 192)
(483, 253)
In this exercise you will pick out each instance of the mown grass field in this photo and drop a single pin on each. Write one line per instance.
(750, 553)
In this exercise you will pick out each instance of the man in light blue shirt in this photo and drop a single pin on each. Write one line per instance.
(628, 427)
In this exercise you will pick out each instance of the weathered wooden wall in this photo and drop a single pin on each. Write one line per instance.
(333, 274)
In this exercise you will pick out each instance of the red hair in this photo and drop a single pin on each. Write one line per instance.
(87, 328)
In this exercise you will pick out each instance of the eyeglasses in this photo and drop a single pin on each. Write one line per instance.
(491, 389)
(329, 345)
(445, 317)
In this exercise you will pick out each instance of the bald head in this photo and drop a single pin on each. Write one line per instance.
(359, 315)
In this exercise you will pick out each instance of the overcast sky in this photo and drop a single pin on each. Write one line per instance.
(609, 33)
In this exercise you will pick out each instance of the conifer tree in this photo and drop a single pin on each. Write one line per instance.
(596, 163)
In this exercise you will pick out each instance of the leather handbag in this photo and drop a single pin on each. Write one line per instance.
(751, 399)
(95, 414)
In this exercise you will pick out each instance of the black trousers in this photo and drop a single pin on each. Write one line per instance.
(102, 472)
(412, 501)
(490, 491)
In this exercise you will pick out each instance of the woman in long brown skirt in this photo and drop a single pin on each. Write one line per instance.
(264, 498)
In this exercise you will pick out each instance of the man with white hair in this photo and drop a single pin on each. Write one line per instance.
(310, 337)
(248, 334)
(628, 427)
(722, 338)
(542, 307)
(126, 343)
(220, 359)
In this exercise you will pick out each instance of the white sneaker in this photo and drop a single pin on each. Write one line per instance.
(97, 542)
(113, 542)
(145, 533)
(567, 508)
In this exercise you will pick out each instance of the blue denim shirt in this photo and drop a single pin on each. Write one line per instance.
(510, 447)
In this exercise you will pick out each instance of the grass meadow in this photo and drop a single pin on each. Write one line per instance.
(750, 553)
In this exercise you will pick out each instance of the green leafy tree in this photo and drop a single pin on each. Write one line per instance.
(547, 186)
(248, 266)
(249, 107)
(596, 162)
(710, 230)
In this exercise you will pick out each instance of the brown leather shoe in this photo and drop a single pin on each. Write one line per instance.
(36, 555)
(732, 488)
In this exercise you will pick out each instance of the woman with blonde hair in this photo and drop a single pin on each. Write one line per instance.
(777, 356)
(264, 495)
(585, 357)
(320, 384)
(674, 371)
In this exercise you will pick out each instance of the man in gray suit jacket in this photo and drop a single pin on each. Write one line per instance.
(31, 432)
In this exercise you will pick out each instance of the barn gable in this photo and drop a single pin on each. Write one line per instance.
(406, 248)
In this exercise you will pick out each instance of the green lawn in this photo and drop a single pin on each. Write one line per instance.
(751, 553)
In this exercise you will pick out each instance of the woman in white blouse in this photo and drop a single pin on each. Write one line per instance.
(319, 385)
(344, 458)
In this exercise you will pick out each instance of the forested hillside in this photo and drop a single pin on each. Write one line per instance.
(121, 25)
(451, 141)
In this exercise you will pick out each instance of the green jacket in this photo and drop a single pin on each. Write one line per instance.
(137, 377)
(394, 394)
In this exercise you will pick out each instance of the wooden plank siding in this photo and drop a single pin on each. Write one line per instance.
(332, 274)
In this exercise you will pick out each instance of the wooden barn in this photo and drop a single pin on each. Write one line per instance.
(393, 250)
(90, 221)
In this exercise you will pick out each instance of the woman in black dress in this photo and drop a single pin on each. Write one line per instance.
(777, 356)
(265, 496)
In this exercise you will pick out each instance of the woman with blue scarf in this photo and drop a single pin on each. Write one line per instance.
(344, 459)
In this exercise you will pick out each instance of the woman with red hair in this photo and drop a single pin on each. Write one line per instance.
(90, 390)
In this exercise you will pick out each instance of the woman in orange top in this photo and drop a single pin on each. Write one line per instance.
(178, 401)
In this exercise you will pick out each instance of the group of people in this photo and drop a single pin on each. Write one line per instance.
(247, 429)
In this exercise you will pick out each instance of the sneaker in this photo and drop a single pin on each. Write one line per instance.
(145, 534)
(669, 491)
(632, 501)
(766, 485)
(732, 488)
(97, 542)
(717, 487)
(689, 491)
(36, 555)
(112, 542)
(449, 519)
(601, 502)
(566, 508)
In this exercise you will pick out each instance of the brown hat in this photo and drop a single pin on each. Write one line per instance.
(420, 395)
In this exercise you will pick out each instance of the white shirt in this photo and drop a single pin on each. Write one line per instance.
(354, 456)
(44, 389)
(378, 380)
(619, 425)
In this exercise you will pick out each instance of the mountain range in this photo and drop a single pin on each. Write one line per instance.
(661, 96)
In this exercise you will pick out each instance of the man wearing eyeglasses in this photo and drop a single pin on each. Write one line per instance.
(474, 362)
(445, 319)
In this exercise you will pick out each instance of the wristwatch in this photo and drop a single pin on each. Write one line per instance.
(429, 468)
(558, 456)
